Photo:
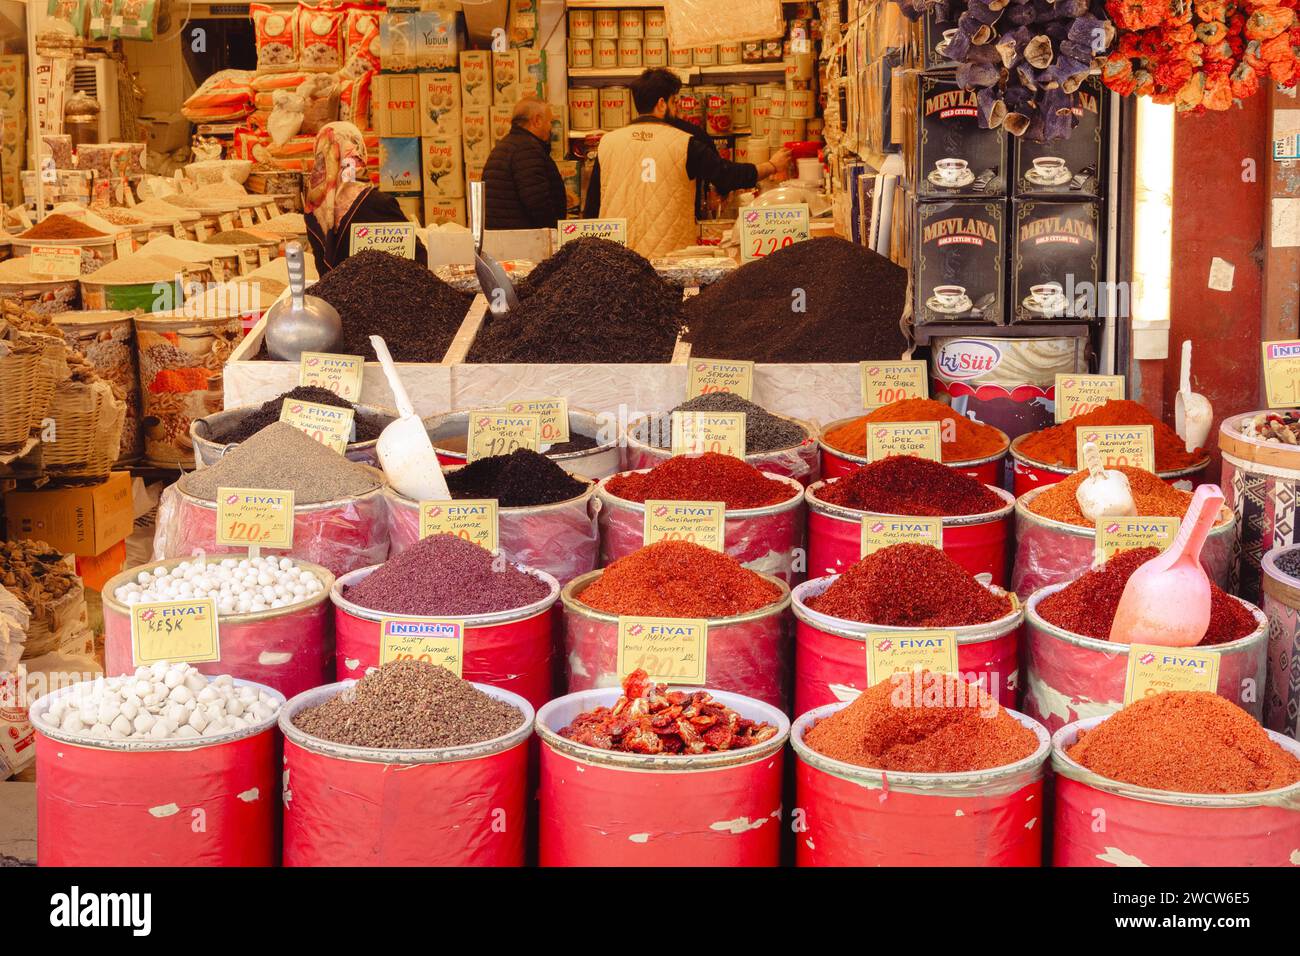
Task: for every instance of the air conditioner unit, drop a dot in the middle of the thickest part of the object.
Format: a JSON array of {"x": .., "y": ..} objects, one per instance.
[{"x": 98, "y": 78}]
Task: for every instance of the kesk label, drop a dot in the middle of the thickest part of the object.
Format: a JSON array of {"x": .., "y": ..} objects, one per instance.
[
  {"x": 341, "y": 374},
  {"x": 1132, "y": 446},
  {"x": 697, "y": 432},
  {"x": 671, "y": 650},
  {"x": 764, "y": 231},
  {"x": 1281, "y": 373},
  {"x": 614, "y": 230},
  {"x": 500, "y": 433},
  {"x": 699, "y": 522},
  {"x": 886, "y": 382},
  {"x": 330, "y": 426},
  {"x": 397, "y": 238},
  {"x": 903, "y": 438},
  {"x": 1079, "y": 394},
  {"x": 720, "y": 375},
  {"x": 893, "y": 652},
  {"x": 1153, "y": 670},
  {"x": 473, "y": 519},
  {"x": 175, "y": 631},
  {"x": 1125, "y": 534},
  {"x": 254, "y": 517},
  {"x": 881, "y": 531},
  {"x": 58, "y": 262},
  {"x": 553, "y": 417},
  {"x": 429, "y": 640}
]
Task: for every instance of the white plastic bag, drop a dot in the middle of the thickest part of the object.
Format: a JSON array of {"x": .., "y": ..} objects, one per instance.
[
  {"x": 704, "y": 22},
  {"x": 286, "y": 118}
]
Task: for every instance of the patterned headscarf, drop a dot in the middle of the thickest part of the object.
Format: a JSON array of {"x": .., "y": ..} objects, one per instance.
[{"x": 336, "y": 143}]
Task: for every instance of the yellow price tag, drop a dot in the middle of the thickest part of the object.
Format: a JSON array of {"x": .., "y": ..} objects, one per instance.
[
  {"x": 472, "y": 519},
  {"x": 123, "y": 245},
  {"x": 886, "y": 382},
  {"x": 670, "y": 650},
  {"x": 615, "y": 230},
  {"x": 765, "y": 230},
  {"x": 341, "y": 374},
  {"x": 553, "y": 417},
  {"x": 699, "y": 522},
  {"x": 1282, "y": 373},
  {"x": 893, "y": 652},
  {"x": 428, "y": 640},
  {"x": 395, "y": 238},
  {"x": 175, "y": 631},
  {"x": 882, "y": 531},
  {"x": 1130, "y": 446},
  {"x": 327, "y": 424},
  {"x": 254, "y": 517},
  {"x": 1077, "y": 395},
  {"x": 500, "y": 433},
  {"x": 720, "y": 375},
  {"x": 697, "y": 432},
  {"x": 1125, "y": 534},
  {"x": 1153, "y": 669},
  {"x": 920, "y": 439}
]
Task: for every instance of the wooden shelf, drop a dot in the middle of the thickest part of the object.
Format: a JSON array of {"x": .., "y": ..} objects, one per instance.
[
  {"x": 738, "y": 69},
  {"x": 625, "y": 72},
  {"x": 612, "y": 4}
]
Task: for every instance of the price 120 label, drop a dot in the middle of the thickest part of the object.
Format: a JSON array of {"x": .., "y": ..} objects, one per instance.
[
  {"x": 887, "y": 382},
  {"x": 341, "y": 374},
  {"x": 670, "y": 650},
  {"x": 1129, "y": 446},
  {"x": 695, "y": 433},
  {"x": 500, "y": 433},
  {"x": 1077, "y": 395},
  {"x": 471, "y": 519},
  {"x": 330, "y": 426},
  {"x": 175, "y": 631},
  {"x": 720, "y": 375},
  {"x": 1153, "y": 670},
  {"x": 428, "y": 640},
  {"x": 254, "y": 517}
]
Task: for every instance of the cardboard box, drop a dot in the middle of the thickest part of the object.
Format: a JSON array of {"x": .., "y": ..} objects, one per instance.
[
  {"x": 475, "y": 78},
  {"x": 165, "y": 132},
  {"x": 438, "y": 210},
  {"x": 473, "y": 171},
  {"x": 499, "y": 119},
  {"x": 397, "y": 42},
  {"x": 444, "y": 170},
  {"x": 532, "y": 73},
  {"x": 475, "y": 131},
  {"x": 396, "y": 103},
  {"x": 82, "y": 521},
  {"x": 399, "y": 164},
  {"x": 959, "y": 262},
  {"x": 505, "y": 77},
  {"x": 410, "y": 206},
  {"x": 439, "y": 104},
  {"x": 435, "y": 40},
  {"x": 1056, "y": 250}
]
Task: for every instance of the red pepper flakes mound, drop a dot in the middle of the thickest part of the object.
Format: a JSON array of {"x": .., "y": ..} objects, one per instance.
[
  {"x": 1056, "y": 445},
  {"x": 706, "y": 477},
  {"x": 678, "y": 579},
  {"x": 907, "y": 485},
  {"x": 1186, "y": 742},
  {"x": 923, "y": 722},
  {"x": 1087, "y": 605},
  {"x": 910, "y": 585},
  {"x": 651, "y": 719}
]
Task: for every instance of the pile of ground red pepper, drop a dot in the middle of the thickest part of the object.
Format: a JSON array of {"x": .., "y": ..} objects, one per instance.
[
  {"x": 1087, "y": 606},
  {"x": 706, "y": 477},
  {"x": 910, "y": 585},
  {"x": 906, "y": 485}
]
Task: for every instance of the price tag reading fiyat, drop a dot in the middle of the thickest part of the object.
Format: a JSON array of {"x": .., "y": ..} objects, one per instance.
[
  {"x": 882, "y": 531},
  {"x": 428, "y": 640},
  {"x": 695, "y": 433},
  {"x": 1282, "y": 373},
  {"x": 893, "y": 652},
  {"x": 886, "y": 382},
  {"x": 330, "y": 426},
  {"x": 1153, "y": 670},
  {"x": 254, "y": 517},
  {"x": 615, "y": 230},
  {"x": 175, "y": 631},
  {"x": 671, "y": 650},
  {"x": 720, "y": 375},
  {"x": 553, "y": 417},
  {"x": 57, "y": 262},
  {"x": 341, "y": 374},
  {"x": 471, "y": 519},
  {"x": 920, "y": 439},
  {"x": 1077, "y": 395},
  {"x": 699, "y": 522},
  {"x": 395, "y": 238},
  {"x": 500, "y": 433},
  {"x": 765, "y": 230},
  {"x": 1125, "y": 534},
  {"x": 1129, "y": 446}
]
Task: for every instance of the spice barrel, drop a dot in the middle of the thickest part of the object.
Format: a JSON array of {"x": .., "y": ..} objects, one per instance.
[
  {"x": 1053, "y": 552},
  {"x": 746, "y": 653},
  {"x": 1282, "y": 608},
  {"x": 1260, "y": 483},
  {"x": 602, "y": 808},
  {"x": 766, "y": 540},
  {"x": 132, "y": 296},
  {"x": 830, "y": 656},
  {"x": 1029, "y": 474},
  {"x": 836, "y": 462},
  {"x": 511, "y": 649},
  {"x": 1146, "y": 827},
  {"x": 95, "y": 252},
  {"x": 107, "y": 340},
  {"x": 857, "y": 816},
  {"x": 208, "y": 801},
  {"x": 208, "y": 452},
  {"x": 1072, "y": 677},
  {"x": 370, "y": 806},
  {"x": 800, "y": 462},
  {"x": 979, "y": 543},
  {"x": 449, "y": 433},
  {"x": 42, "y": 296},
  {"x": 560, "y": 539}
]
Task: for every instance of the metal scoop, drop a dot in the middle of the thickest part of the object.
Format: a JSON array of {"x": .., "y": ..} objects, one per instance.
[
  {"x": 492, "y": 279},
  {"x": 405, "y": 452},
  {"x": 300, "y": 323}
]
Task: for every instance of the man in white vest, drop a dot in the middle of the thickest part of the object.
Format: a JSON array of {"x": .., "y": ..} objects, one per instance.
[{"x": 647, "y": 171}]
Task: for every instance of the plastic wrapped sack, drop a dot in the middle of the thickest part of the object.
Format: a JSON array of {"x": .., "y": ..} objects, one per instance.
[
  {"x": 20, "y": 687},
  {"x": 224, "y": 96},
  {"x": 320, "y": 37},
  {"x": 361, "y": 40},
  {"x": 276, "y": 36},
  {"x": 286, "y": 118},
  {"x": 704, "y": 22},
  {"x": 134, "y": 19}
]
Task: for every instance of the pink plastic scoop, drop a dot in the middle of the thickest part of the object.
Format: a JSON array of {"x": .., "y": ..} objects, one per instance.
[{"x": 1167, "y": 600}]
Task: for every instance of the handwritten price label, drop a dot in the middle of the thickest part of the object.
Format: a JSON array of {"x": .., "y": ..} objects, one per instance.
[
  {"x": 920, "y": 439},
  {"x": 697, "y": 432},
  {"x": 500, "y": 433},
  {"x": 57, "y": 262},
  {"x": 615, "y": 230},
  {"x": 175, "y": 631},
  {"x": 671, "y": 650},
  {"x": 699, "y": 522},
  {"x": 254, "y": 517},
  {"x": 764, "y": 231},
  {"x": 1130, "y": 446},
  {"x": 720, "y": 375},
  {"x": 1077, "y": 395},
  {"x": 341, "y": 374},
  {"x": 330, "y": 426},
  {"x": 1125, "y": 534},
  {"x": 553, "y": 417},
  {"x": 1282, "y": 373},
  {"x": 471, "y": 519},
  {"x": 1153, "y": 670},
  {"x": 892, "y": 652},
  {"x": 395, "y": 238},
  {"x": 428, "y": 640},
  {"x": 880, "y": 531},
  {"x": 886, "y": 382}
]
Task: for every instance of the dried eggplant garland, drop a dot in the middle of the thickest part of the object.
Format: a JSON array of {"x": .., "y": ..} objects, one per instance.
[{"x": 1026, "y": 58}]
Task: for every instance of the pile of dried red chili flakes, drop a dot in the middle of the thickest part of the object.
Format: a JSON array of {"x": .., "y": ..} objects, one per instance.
[{"x": 651, "y": 719}]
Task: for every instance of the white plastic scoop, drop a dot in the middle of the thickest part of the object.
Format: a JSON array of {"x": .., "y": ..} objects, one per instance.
[
  {"x": 405, "y": 451},
  {"x": 1193, "y": 414}
]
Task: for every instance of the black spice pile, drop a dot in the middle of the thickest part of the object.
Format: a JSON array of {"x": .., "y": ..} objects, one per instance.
[
  {"x": 368, "y": 426},
  {"x": 381, "y": 294},
  {"x": 518, "y": 480},
  {"x": 854, "y": 302},
  {"x": 763, "y": 430},
  {"x": 576, "y": 442},
  {"x": 593, "y": 301},
  {"x": 1288, "y": 562},
  {"x": 410, "y": 705}
]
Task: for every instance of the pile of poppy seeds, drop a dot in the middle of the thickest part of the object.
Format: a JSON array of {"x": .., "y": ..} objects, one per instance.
[{"x": 368, "y": 426}]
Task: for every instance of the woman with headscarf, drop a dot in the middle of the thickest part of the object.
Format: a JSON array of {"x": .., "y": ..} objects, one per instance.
[{"x": 339, "y": 196}]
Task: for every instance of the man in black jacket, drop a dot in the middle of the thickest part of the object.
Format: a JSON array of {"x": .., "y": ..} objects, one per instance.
[{"x": 522, "y": 185}]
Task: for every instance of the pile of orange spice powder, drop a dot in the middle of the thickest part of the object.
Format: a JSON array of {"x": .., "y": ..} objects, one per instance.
[
  {"x": 962, "y": 440},
  {"x": 1186, "y": 742},
  {"x": 1057, "y": 445},
  {"x": 1151, "y": 493},
  {"x": 923, "y": 723}
]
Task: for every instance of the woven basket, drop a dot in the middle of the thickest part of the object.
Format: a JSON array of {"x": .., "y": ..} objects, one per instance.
[
  {"x": 27, "y": 378},
  {"x": 87, "y": 430}
]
